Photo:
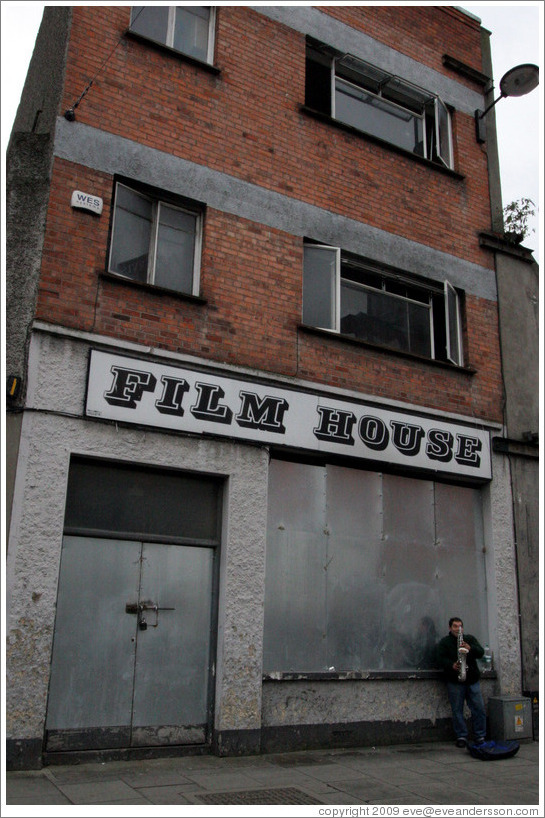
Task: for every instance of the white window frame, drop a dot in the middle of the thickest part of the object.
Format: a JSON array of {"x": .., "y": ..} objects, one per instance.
[
  {"x": 171, "y": 24},
  {"x": 447, "y": 161},
  {"x": 156, "y": 203},
  {"x": 438, "y": 107},
  {"x": 454, "y": 353},
  {"x": 452, "y": 297},
  {"x": 336, "y": 311},
  {"x": 405, "y": 299}
]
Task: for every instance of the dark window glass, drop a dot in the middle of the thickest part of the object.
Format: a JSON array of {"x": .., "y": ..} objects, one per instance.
[{"x": 106, "y": 498}]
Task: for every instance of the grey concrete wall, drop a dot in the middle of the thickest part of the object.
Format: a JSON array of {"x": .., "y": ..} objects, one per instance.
[
  {"x": 525, "y": 475},
  {"x": 518, "y": 305},
  {"x": 28, "y": 168},
  {"x": 50, "y": 434}
]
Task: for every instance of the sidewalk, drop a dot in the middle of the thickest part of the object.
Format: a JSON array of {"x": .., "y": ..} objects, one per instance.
[{"x": 416, "y": 774}]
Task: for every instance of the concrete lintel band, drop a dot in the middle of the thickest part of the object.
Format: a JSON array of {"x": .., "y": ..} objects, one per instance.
[
  {"x": 332, "y": 32},
  {"x": 114, "y": 154}
]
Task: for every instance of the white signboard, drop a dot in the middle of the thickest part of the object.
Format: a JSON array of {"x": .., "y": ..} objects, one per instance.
[
  {"x": 85, "y": 201},
  {"x": 163, "y": 396}
]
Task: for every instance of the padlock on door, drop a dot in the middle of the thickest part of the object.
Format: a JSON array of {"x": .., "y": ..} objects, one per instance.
[{"x": 142, "y": 624}]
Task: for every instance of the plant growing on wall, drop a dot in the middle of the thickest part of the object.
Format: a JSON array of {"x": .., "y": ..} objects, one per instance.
[{"x": 515, "y": 219}]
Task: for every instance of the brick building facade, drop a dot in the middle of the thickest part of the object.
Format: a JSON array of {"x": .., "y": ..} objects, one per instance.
[{"x": 255, "y": 340}]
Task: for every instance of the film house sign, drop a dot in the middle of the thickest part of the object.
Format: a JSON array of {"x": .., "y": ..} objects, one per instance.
[{"x": 185, "y": 400}]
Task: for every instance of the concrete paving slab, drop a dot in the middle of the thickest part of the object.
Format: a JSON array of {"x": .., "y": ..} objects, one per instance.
[
  {"x": 153, "y": 778},
  {"x": 33, "y": 786},
  {"x": 279, "y": 777},
  {"x": 44, "y": 800},
  {"x": 332, "y": 772},
  {"x": 222, "y": 780},
  {"x": 164, "y": 795},
  {"x": 96, "y": 792},
  {"x": 371, "y": 789},
  {"x": 510, "y": 794},
  {"x": 416, "y": 775},
  {"x": 339, "y": 798}
]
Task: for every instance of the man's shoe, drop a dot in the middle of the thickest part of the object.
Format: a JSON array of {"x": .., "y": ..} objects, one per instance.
[
  {"x": 461, "y": 742},
  {"x": 480, "y": 740}
]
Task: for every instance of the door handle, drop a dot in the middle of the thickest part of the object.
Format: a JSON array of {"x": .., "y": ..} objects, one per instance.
[{"x": 139, "y": 608}]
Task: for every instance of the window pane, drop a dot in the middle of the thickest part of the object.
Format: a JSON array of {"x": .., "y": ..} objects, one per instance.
[
  {"x": 191, "y": 31},
  {"x": 319, "y": 287},
  {"x": 443, "y": 132},
  {"x": 150, "y": 21},
  {"x": 131, "y": 234},
  {"x": 175, "y": 249},
  {"x": 108, "y": 497},
  {"x": 360, "y": 72},
  {"x": 381, "y": 318},
  {"x": 452, "y": 319},
  {"x": 378, "y": 117},
  {"x": 318, "y": 81}
]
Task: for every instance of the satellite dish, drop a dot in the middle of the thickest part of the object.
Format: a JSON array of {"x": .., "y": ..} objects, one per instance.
[{"x": 520, "y": 80}]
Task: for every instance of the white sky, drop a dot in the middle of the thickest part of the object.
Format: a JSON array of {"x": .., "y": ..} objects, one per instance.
[{"x": 517, "y": 37}]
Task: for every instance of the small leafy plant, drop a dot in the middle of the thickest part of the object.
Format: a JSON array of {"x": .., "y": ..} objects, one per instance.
[{"x": 515, "y": 219}]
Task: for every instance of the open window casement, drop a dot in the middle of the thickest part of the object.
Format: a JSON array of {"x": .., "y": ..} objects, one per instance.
[
  {"x": 321, "y": 286},
  {"x": 443, "y": 133},
  {"x": 452, "y": 320}
]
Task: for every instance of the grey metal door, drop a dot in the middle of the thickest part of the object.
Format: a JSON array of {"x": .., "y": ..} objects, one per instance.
[{"x": 132, "y": 647}]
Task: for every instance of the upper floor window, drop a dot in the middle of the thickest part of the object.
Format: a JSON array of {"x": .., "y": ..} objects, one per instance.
[
  {"x": 367, "y": 98},
  {"x": 188, "y": 29},
  {"x": 357, "y": 298},
  {"x": 155, "y": 242}
]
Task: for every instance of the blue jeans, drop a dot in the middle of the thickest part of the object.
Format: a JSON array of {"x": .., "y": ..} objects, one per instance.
[{"x": 457, "y": 694}]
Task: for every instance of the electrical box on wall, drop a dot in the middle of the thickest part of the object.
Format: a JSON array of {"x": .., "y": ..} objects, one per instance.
[{"x": 510, "y": 718}]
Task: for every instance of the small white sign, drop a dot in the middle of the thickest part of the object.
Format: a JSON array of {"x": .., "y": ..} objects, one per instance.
[{"x": 85, "y": 201}]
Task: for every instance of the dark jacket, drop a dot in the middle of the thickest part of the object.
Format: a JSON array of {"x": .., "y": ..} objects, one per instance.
[{"x": 447, "y": 654}]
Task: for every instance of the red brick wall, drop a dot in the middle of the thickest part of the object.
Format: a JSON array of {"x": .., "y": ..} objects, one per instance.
[
  {"x": 423, "y": 33},
  {"x": 251, "y": 280},
  {"x": 246, "y": 122}
]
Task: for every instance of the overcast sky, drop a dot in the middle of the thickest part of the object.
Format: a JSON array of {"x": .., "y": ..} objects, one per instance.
[{"x": 517, "y": 37}]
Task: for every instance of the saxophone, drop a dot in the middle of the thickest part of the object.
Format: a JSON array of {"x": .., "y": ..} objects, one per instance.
[{"x": 462, "y": 654}]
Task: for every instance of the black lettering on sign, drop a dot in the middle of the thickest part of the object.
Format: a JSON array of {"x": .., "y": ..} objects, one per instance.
[
  {"x": 439, "y": 445},
  {"x": 128, "y": 386},
  {"x": 173, "y": 395},
  {"x": 374, "y": 433},
  {"x": 468, "y": 447},
  {"x": 262, "y": 413},
  {"x": 406, "y": 437},
  {"x": 208, "y": 405},
  {"x": 335, "y": 425}
]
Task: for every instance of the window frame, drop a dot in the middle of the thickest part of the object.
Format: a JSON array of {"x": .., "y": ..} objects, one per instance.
[
  {"x": 426, "y": 105},
  {"x": 157, "y": 201},
  {"x": 453, "y": 342},
  {"x": 171, "y": 25},
  {"x": 455, "y": 356}
]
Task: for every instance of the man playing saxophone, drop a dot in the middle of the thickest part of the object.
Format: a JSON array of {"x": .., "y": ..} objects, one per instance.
[{"x": 457, "y": 655}]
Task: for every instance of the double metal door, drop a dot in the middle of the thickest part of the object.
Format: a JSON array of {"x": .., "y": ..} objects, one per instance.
[{"x": 131, "y": 658}]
